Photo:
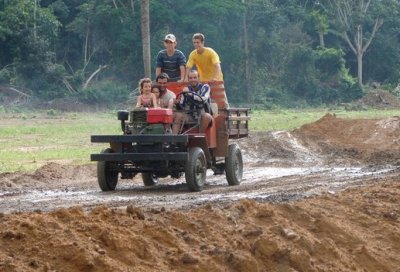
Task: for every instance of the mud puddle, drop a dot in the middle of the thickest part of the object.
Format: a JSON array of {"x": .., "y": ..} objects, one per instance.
[{"x": 261, "y": 183}]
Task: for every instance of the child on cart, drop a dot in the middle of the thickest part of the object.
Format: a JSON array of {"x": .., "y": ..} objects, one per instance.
[{"x": 146, "y": 99}]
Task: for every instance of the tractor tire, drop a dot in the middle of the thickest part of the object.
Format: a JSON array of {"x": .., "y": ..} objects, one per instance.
[
  {"x": 106, "y": 176},
  {"x": 149, "y": 179},
  {"x": 234, "y": 165},
  {"x": 196, "y": 169}
]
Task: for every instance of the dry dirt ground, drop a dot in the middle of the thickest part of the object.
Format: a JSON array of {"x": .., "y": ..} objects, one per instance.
[{"x": 325, "y": 197}]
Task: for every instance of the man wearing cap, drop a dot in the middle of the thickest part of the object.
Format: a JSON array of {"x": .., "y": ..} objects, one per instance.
[{"x": 171, "y": 60}]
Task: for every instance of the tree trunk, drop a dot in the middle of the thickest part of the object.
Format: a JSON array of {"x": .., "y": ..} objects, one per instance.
[
  {"x": 360, "y": 67},
  {"x": 34, "y": 20},
  {"x": 321, "y": 39},
  {"x": 358, "y": 43},
  {"x": 248, "y": 90},
  {"x": 101, "y": 67},
  {"x": 145, "y": 25}
]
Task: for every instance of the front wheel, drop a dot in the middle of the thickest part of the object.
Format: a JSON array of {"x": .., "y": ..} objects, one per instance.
[
  {"x": 107, "y": 176},
  {"x": 196, "y": 169},
  {"x": 149, "y": 179},
  {"x": 234, "y": 165}
]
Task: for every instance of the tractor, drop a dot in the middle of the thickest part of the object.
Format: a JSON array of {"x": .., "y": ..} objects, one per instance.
[{"x": 147, "y": 145}]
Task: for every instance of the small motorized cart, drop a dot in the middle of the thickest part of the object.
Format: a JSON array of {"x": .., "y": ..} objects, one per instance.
[{"x": 147, "y": 145}]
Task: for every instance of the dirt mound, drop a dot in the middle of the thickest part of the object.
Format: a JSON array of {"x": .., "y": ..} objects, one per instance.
[
  {"x": 50, "y": 175},
  {"x": 356, "y": 230},
  {"x": 374, "y": 141},
  {"x": 379, "y": 99}
]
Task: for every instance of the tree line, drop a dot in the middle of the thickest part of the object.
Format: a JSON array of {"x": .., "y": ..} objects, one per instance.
[{"x": 286, "y": 52}]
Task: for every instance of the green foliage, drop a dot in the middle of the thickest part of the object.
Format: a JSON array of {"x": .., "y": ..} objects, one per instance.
[
  {"x": 103, "y": 93},
  {"x": 319, "y": 21},
  {"x": 65, "y": 41},
  {"x": 30, "y": 33},
  {"x": 329, "y": 62},
  {"x": 5, "y": 76},
  {"x": 300, "y": 74},
  {"x": 319, "y": 76}
]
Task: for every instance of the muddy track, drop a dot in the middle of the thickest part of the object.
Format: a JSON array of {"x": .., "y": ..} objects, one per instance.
[
  {"x": 262, "y": 184},
  {"x": 324, "y": 197},
  {"x": 279, "y": 166}
]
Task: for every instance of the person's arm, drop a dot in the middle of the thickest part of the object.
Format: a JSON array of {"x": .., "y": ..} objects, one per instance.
[
  {"x": 217, "y": 64},
  {"x": 217, "y": 71},
  {"x": 204, "y": 93},
  {"x": 171, "y": 104},
  {"x": 158, "y": 71},
  {"x": 187, "y": 74},
  {"x": 183, "y": 72},
  {"x": 171, "y": 100},
  {"x": 181, "y": 103},
  {"x": 154, "y": 99},
  {"x": 159, "y": 63},
  {"x": 182, "y": 65},
  {"x": 138, "y": 103},
  {"x": 189, "y": 66}
]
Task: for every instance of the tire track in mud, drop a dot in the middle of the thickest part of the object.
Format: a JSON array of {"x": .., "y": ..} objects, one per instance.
[
  {"x": 262, "y": 183},
  {"x": 326, "y": 156}
]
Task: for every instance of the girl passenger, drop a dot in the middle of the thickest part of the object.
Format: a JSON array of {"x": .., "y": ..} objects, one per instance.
[{"x": 146, "y": 99}]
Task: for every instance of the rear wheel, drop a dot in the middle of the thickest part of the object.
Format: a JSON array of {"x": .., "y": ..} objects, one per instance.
[
  {"x": 149, "y": 179},
  {"x": 195, "y": 169},
  {"x": 234, "y": 165},
  {"x": 107, "y": 176}
]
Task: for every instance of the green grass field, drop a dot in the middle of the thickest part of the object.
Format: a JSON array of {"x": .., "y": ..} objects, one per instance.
[{"x": 30, "y": 140}]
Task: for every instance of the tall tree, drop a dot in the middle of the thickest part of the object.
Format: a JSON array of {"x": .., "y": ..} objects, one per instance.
[
  {"x": 246, "y": 56},
  {"x": 357, "y": 26},
  {"x": 321, "y": 25},
  {"x": 28, "y": 33},
  {"x": 145, "y": 26}
]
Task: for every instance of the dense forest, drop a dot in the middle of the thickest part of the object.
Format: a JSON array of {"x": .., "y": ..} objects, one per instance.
[{"x": 274, "y": 52}]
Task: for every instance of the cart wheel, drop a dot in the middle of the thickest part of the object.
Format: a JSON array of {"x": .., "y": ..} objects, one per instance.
[
  {"x": 107, "y": 177},
  {"x": 234, "y": 165},
  {"x": 149, "y": 179},
  {"x": 195, "y": 169}
]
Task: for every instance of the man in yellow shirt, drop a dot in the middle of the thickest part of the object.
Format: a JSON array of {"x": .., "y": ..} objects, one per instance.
[{"x": 206, "y": 61}]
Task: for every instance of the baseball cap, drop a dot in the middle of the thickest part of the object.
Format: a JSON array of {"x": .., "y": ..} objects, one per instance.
[{"x": 170, "y": 37}]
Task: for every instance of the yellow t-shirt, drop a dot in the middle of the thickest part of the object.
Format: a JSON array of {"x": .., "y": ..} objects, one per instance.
[{"x": 205, "y": 63}]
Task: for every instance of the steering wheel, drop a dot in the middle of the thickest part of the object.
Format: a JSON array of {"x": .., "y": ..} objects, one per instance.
[{"x": 199, "y": 104}]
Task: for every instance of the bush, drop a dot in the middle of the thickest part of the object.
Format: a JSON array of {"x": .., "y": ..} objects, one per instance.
[
  {"x": 329, "y": 62},
  {"x": 106, "y": 93}
]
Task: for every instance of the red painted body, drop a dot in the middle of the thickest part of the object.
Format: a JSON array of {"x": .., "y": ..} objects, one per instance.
[
  {"x": 159, "y": 116},
  {"x": 211, "y": 132}
]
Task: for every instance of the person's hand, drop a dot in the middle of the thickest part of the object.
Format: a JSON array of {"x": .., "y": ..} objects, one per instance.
[{"x": 185, "y": 90}]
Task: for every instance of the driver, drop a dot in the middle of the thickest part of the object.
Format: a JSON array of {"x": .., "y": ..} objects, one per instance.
[{"x": 194, "y": 98}]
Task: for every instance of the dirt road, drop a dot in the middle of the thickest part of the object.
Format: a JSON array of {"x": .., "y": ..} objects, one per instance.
[{"x": 323, "y": 197}]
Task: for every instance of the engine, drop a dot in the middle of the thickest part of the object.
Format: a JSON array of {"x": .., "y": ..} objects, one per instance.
[{"x": 146, "y": 121}]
